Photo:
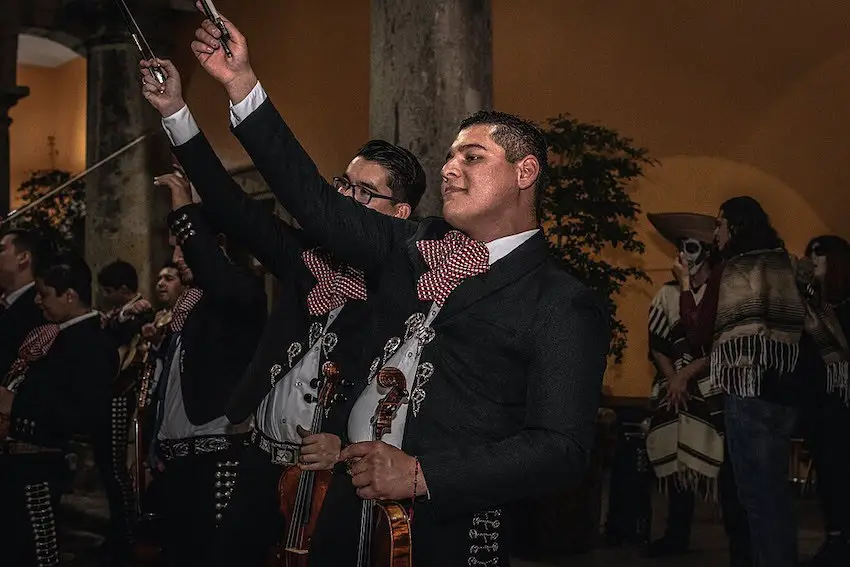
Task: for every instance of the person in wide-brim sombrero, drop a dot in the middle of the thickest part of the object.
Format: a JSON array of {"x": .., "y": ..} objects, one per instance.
[
  {"x": 684, "y": 444},
  {"x": 675, "y": 227}
]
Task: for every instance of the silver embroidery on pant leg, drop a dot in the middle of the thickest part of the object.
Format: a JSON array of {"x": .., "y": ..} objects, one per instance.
[
  {"x": 293, "y": 351},
  {"x": 43, "y": 524},
  {"x": 423, "y": 374},
  {"x": 484, "y": 538},
  {"x": 120, "y": 432},
  {"x": 224, "y": 489}
]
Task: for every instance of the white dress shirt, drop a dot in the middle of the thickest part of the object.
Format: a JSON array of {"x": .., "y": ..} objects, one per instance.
[
  {"x": 175, "y": 422},
  {"x": 406, "y": 359},
  {"x": 75, "y": 320},
  {"x": 284, "y": 407},
  {"x": 13, "y": 297}
]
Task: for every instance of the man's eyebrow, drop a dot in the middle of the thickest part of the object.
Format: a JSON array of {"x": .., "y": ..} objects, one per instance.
[{"x": 463, "y": 148}]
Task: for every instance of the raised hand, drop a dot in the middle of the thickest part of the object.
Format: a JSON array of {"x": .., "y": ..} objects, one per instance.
[
  {"x": 233, "y": 72},
  {"x": 166, "y": 98},
  {"x": 181, "y": 190}
]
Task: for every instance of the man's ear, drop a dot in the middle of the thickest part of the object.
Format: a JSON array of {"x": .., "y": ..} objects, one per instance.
[
  {"x": 25, "y": 258},
  {"x": 402, "y": 211},
  {"x": 528, "y": 170},
  {"x": 71, "y": 295}
]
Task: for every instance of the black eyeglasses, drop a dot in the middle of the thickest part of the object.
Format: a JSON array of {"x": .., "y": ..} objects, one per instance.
[{"x": 359, "y": 193}]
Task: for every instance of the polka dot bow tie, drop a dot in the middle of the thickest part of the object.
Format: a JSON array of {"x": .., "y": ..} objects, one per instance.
[
  {"x": 450, "y": 260},
  {"x": 335, "y": 282}
]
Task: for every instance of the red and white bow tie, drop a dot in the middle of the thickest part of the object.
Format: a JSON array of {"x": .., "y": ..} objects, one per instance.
[
  {"x": 36, "y": 345},
  {"x": 335, "y": 282},
  {"x": 184, "y": 305},
  {"x": 450, "y": 260}
]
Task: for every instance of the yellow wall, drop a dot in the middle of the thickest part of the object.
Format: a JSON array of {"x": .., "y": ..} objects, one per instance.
[
  {"x": 56, "y": 106},
  {"x": 312, "y": 58},
  {"x": 731, "y": 102}
]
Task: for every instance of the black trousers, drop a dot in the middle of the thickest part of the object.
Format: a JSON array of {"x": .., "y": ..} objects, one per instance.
[
  {"x": 195, "y": 496},
  {"x": 30, "y": 488},
  {"x": 252, "y": 523},
  {"x": 826, "y": 423},
  {"x": 111, "y": 456}
]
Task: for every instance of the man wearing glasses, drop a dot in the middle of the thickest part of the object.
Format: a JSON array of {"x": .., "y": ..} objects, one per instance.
[{"x": 323, "y": 315}]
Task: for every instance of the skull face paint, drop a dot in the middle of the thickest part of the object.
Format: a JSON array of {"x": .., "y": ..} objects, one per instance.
[{"x": 694, "y": 252}]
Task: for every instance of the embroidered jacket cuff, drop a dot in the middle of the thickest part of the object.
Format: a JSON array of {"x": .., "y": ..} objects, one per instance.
[
  {"x": 180, "y": 127},
  {"x": 180, "y": 223},
  {"x": 241, "y": 110}
]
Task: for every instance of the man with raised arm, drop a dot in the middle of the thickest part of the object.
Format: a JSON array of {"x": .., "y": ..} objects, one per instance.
[
  {"x": 322, "y": 315},
  {"x": 502, "y": 352}
]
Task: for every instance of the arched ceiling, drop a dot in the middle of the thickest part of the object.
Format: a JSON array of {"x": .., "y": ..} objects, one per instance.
[{"x": 42, "y": 52}]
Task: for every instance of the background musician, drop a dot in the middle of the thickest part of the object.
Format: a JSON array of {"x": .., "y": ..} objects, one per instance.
[
  {"x": 59, "y": 385},
  {"x": 214, "y": 329},
  {"x": 18, "y": 312},
  {"x": 312, "y": 322},
  {"x": 125, "y": 313}
]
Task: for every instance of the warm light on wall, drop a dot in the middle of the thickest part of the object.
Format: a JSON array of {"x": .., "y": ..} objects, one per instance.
[{"x": 55, "y": 109}]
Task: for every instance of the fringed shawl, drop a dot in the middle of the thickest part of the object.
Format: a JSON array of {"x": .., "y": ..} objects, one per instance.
[{"x": 761, "y": 317}]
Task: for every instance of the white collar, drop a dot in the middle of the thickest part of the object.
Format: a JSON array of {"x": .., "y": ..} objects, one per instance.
[
  {"x": 503, "y": 246},
  {"x": 12, "y": 297},
  {"x": 75, "y": 320}
]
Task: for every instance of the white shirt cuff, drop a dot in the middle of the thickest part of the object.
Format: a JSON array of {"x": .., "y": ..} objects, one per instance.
[
  {"x": 241, "y": 110},
  {"x": 180, "y": 127}
]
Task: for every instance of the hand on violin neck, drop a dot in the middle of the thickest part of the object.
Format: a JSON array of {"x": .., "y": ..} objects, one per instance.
[
  {"x": 383, "y": 472},
  {"x": 319, "y": 451},
  {"x": 166, "y": 98}
]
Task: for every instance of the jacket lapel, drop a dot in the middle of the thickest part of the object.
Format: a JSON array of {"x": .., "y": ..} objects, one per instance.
[{"x": 505, "y": 271}]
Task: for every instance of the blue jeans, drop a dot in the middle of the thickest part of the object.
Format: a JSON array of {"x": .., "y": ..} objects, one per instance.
[{"x": 759, "y": 440}]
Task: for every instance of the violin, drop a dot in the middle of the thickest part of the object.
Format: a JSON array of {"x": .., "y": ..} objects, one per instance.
[
  {"x": 385, "y": 534},
  {"x": 302, "y": 493},
  {"x": 145, "y": 365}
]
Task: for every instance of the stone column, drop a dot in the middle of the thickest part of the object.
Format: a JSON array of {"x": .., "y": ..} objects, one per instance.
[
  {"x": 125, "y": 215},
  {"x": 10, "y": 92},
  {"x": 8, "y": 98},
  {"x": 432, "y": 65}
]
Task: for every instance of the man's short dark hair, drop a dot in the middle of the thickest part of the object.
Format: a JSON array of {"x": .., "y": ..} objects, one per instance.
[
  {"x": 67, "y": 271},
  {"x": 119, "y": 273},
  {"x": 405, "y": 176},
  {"x": 519, "y": 138},
  {"x": 28, "y": 241},
  {"x": 170, "y": 266}
]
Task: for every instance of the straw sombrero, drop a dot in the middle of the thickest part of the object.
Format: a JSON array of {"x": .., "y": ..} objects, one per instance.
[{"x": 675, "y": 226}]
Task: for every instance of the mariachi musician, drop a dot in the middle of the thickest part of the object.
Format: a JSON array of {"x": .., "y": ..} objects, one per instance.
[
  {"x": 320, "y": 316},
  {"x": 58, "y": 386},
  {"x": 169, "y": 288},
  {"x": 214, "y": 329},
  {"x": 502, "y": 351},
  {"x": 127, "y": 312}
]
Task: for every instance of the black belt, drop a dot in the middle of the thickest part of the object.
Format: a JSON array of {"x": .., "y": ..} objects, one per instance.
[{"x": 281, "y": 453}]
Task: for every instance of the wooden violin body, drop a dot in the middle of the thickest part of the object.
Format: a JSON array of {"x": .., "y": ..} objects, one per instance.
[
  {"x": 391, "y": 543},
  {"x": 294, "y": 553}
]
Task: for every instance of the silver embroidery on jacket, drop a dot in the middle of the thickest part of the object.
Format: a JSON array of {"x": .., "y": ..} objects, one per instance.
[
  {"x": 484, "y": 539},
  {"x": 423, "y": 374},
  {"x": 293, "y": 351}
]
